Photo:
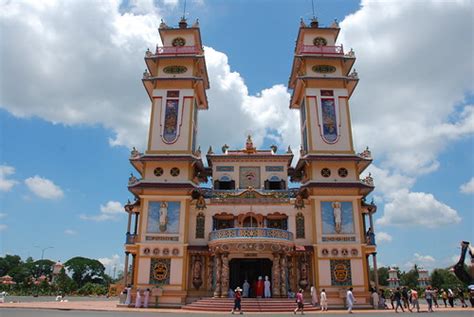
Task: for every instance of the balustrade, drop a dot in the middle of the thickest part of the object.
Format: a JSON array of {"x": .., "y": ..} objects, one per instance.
[{"x": 251, "y": 233}]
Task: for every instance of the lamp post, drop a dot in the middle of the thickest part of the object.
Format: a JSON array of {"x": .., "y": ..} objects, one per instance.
[{"x": 42, "y": 250}]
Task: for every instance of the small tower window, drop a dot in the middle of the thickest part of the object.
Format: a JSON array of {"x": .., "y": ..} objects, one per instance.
[
  {"x": 174, "y": 171},
  {"x": 325, "y": 172},
  {"x": 320, "y": 41},
  {"x": 342, "y": 172},
  {"x": 179, "y": 41},
  {"x": 200, "y": 222},
  {"x": 158, "y": 171},
  {"x": 300, "y": 226}
]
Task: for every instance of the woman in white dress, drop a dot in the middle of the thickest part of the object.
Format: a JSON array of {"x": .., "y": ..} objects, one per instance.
[
  {"x": 267, "y": 284},
  {"x": 128, "y": 299},
  {"x": 324, "y": 300},
  {"x": 146, "y": 299},
  {"x": 138, "y": 299},
  {"x": 314, "y": 296}
]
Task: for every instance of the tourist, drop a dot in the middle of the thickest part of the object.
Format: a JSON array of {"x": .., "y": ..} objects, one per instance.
[
  {"x": 444, "y": 296},
  {"x": 299, "y": 302},
  {"x": 397, "y": 297},
  {"x": 375, "y": 299},
  {"x": 429, "y": 298},
  {"x": 267, "y": 284},
  {"x": 324, "y": 300},
  {"x": 138, "y": 299},
  {"x": 246, "y": 287},
  {"x": 230, "y": 293},
  {"x": 461, "y": 297},
  {"x": 414, "y": 300},
  {"x": 405, "y": 298},
  {"x": 382, "y": 300},
  {"x": 392, "y": 298},
  {"x": 237, "y": 300},
  {"x": 146, "y": 300},
  {"x": 291, "y": 294},
  {"x": 128, "y": 291},
  {"x": 350, "y": 300},
  {"x": 450, "y": 298},
  {"x": 314, "y": 296},
  {"x": 435, "y": 297}
]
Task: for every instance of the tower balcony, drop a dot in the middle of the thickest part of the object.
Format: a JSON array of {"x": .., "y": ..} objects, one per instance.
[
  {"x": 177, "y": 50},
  {"x": 251, "y": 234},
  {"x": 320, "y": 50},
  {"x": 131, "y": 238}
]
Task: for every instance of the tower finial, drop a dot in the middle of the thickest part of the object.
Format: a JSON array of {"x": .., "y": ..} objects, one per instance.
[{"x": 312, "y": 6}]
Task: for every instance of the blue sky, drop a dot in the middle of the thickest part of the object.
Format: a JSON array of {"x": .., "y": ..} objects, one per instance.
[{"x": 67, "y": 122}]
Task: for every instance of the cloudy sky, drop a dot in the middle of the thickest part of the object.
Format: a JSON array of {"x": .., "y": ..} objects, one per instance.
[{"x": 72, "y": 104}]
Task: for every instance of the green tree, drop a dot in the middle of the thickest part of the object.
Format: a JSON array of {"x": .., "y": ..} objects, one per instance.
[
  {"x": 85, "y": 270},
  {"x": 383, "y": 275},
  {"x": 443, "y": 278},
  {"x": 410, "y": 278},
  {"x": 8, "y": 262},
  {"x": 42, "y": 267},
  {"x": 64, "y": 283}
]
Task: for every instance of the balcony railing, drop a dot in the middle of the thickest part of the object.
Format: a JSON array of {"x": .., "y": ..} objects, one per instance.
[
  {"x": 323, "y": 50},
  {"x": 130, "y": 238},
  {"x": 251, "y": 233},
  {"x": 175, "y": 50}
]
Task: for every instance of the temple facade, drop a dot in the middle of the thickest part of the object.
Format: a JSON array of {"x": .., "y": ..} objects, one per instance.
[{"x": 201, "y": 225}]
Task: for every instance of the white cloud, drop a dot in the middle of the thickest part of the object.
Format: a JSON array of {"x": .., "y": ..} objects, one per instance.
[
  {"x": 383, "y": 237},
  {"x": 6, "y": 184},
  {"x": 110, "y": 263},
  {"x": 417, "y": 209},
  {"x": 70, "y": 232},
  {"x": 467, "y": 188},
  {"x": 43, "y": 187},
  {"x": 3, "y": 227},
  {"x": 422, "y": 261},
  {"x": 110, "y": 211}
]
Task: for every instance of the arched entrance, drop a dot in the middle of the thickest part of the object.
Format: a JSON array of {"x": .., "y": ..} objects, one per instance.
[{"x": 250, "y": 270}]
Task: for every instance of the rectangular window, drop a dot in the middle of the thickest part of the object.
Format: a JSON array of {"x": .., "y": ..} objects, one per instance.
[
  {"x": 327, "y": 93},
  {"x": 172, "y": 94}
]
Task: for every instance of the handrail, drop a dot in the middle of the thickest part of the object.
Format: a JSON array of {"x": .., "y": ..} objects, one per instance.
[
  {"x": 251, "y": 233},
  {"x": 324, "y": 50},
  {"x": 174, "y": 50}
]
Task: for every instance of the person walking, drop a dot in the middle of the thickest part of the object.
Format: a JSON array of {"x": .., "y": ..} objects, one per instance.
[
  {"x": 429, "y": 298},
  {"x": 383, "y": 302},
  {"x": 314, "y": 296},
  {"x": 405, "y": 298},
  {"x": 299, "y": 302},
  {"x": 435, "y": 297},
  {"x": 451, "y": 297},
  {"x": 444, "y": 296},
  {"x": 350, "y": 300},
  {"x": 392, "y": 298},
  {"x": 397, "y": 296},
  {"x": 128, "y": 299},
  {"x": 324, "y": 300},
  {"x": 461, "y": 297},
  {"x": 146, "y": 299},
  {"x": 138, "y": 299},
  {"x": 375, "y": 299},
  {"x": 414, "y": 300},
  {"x": 237, "y": 300}
]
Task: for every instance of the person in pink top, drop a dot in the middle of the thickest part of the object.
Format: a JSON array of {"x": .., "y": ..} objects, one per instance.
[
  {"x": 414, "y": 300},
  {"x": 299, "y": 302}
]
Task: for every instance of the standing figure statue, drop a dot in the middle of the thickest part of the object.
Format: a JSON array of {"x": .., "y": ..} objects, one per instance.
[
  {"x": 163, "y": 216},
  {"x": 337, "y": 216},
  {"x": 246, "y": 288},
  {"x": 259, "y": 290},
  {"x": 267, "y": 284},
  {"x": 459, "y": 270}
]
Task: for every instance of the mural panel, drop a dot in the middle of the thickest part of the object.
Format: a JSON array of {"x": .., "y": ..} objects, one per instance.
[
  {"x": 250, "y": 177},
  {"x": 337, "y": 217},
  {"x": 328, "y": 109},
  {"x": 160, "y": 271},
  {"x": 341, "y": 273},
  {"x": 163, "y": 216},
  {"x": 170, "y": 128}
]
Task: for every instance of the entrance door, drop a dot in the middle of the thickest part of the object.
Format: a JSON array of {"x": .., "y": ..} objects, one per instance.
[{"x": 250, "y": 270}]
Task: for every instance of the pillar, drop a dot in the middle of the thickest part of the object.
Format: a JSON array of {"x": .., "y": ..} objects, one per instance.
[
  {"x": 125, "y": 270},
  {"x": 217, "y": 290},
  {"x": 134, "y": 262},
  {"x": 136, "y": 224},
  {"x": 129, "y": 222},
  {"x": 210, "y": 268},
  {"x": 284, "y": 277},
  {"x": 225, "y": 275},
  {"x": 376, "y": 275},
  {"x": 276, "y": 274}
]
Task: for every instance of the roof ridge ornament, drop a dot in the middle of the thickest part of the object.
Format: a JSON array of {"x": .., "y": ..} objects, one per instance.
[{"x": 249, "y": 148}]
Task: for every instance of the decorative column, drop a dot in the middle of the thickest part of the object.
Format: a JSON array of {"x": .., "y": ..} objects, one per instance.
[
  {"x": 284, "y": 278},
  {"x": 134, "y": 261},
  {"x": 376, "y": 275},
  {"x": 276, "y": 275},
  {"x": 129, "y": 222},
  {"x": 292, "y": 275},
  {"x": 125, "y": 270},
  {"x": 225, "y": 275},
  {"x": 210, "y": 268},
  {"x": 136, "y": 224},
  {"x": 217, "y": 290}
]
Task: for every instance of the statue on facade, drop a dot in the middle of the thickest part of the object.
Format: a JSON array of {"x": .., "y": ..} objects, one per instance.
[
  {"x": 459, "y": 268},
  {"x": 299, "y": 202},
  {"x": 267, "y": 284},
  {"x": 337, "y": 216},
  {"x": 259, "y": 288},
  {"x": 201, "y": 203},
  {"x": 132, "y": 180},
  {"x": 303, "y": 282},
  {"x": 246, "y": 287},
  {"x": 163, "y": 216},
  {"x": 197, "y": 272}
]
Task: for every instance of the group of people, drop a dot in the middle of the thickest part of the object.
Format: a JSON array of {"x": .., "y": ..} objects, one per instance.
[
  {"x": 323, "y": 300},
  {"x": 260, "y": 288},
  {"x": 140, "y": 300}
]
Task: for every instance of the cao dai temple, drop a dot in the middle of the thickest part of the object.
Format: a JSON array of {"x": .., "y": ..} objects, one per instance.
[{"x": 199, "y": 227}]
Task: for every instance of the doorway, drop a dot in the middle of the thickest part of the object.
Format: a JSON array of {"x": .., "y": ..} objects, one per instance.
[{"x": 250, "y": 270}]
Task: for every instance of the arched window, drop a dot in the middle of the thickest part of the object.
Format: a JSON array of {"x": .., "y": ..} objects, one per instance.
[
  {"x": 299, "y": 226},
  {"x": 250, "y": 222},
  {"x": 200, "y": 224},
  {"x": 224, "y": 183},
  {"x": 274, "y": 183}
]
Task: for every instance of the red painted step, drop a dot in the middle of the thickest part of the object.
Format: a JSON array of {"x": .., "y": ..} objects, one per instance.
[{"x": 248, "y": 305}]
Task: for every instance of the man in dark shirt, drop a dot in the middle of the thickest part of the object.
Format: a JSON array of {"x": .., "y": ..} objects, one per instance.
[
  {"x": 397, "y": 295},
  {"x": 406, "y": 302}
]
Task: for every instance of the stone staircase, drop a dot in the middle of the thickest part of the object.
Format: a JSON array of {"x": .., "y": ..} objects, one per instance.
[{"x": 248, "y": 305}]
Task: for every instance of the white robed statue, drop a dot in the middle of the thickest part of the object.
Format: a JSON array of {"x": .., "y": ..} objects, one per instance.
[
  {"x": 337, "y": 216},
  {"x": 267, "y": 284},
  {"x": 246, "y": 287},
  {"x": 163, "y": 216}
]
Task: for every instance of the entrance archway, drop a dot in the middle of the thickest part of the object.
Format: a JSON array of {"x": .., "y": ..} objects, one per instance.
[{"x": 250, "y": 270}]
